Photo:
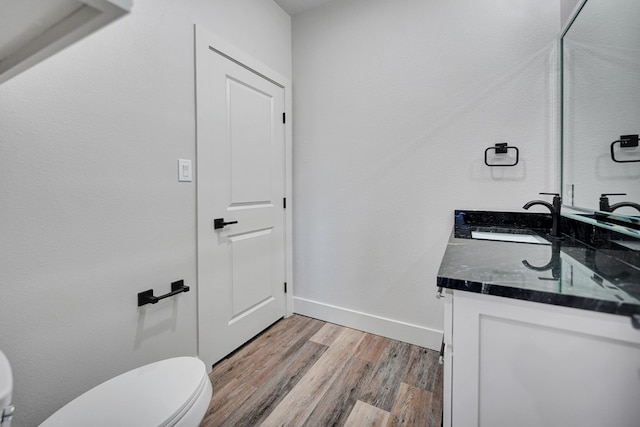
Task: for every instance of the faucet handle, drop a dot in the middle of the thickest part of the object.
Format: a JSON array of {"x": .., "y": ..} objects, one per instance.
[
  {"x": 557, "y": 200},
  {"x": 612, "y": 194}
]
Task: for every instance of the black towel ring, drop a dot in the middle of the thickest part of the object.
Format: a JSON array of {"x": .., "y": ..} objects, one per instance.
[
  {"x": 625, "y": 141},
  {"x": 501, "y": 148}
]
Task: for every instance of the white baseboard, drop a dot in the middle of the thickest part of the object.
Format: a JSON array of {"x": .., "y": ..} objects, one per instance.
[{"x": 394, "y": 329}]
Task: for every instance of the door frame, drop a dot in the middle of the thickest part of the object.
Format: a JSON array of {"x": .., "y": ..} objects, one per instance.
[{"x": 205, "y": 40}]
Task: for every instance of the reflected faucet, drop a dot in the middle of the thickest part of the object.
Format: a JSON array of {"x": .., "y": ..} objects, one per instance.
[
  {"x": 605, "y": 207},
  {"x": 554, "y": 264},
  {"x": 555, "y": 212}
]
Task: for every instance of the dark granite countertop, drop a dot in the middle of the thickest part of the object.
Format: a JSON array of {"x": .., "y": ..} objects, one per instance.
[{"x": 588, "y": 268}]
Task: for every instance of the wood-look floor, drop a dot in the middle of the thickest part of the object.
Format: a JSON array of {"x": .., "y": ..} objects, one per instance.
[{"x": 305, "y": 372}]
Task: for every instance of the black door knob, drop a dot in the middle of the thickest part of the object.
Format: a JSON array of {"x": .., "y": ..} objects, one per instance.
[{"x": 219, "y": 223}]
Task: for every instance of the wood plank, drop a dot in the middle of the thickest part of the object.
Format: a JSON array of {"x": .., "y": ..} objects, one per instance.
[
  {"x": 275, "y": 388},
  {"x": 225, "y": 370},
  {"x": 387, "y": 375},
  {"x": 266, "y": 351},
  {"x": 225, "y": 401},
  {"x": 365, "y": 415},
  {"x": 409, "y": 407},
  {"x": 296, "y": 407},
  {"x": 285, "y": 377},
  {"x": 285, "y": 354},
  {"x": 435, "y": 409},
  {"x": 327, "y": 334},
  {"x": 372, "y": 347},
  {"x": 335, "y": 406},
  {"x": 424, "y": 368}
]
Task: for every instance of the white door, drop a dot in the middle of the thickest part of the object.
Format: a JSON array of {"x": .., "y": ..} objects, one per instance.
[{"x": 241, "y": 181}]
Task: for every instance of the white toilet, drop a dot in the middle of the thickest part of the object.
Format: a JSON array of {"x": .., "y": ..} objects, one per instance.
[
  {"x": 171, "y": 392},
  {"x": 6, "y": 389}
]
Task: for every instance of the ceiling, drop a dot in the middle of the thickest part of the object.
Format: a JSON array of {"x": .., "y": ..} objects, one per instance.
[{"x": 293, "y": 7}]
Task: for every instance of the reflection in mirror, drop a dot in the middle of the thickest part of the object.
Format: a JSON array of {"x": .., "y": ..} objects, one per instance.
[
  {"x": 583, "y": 273},
  {"x": 601, "y": 107}
]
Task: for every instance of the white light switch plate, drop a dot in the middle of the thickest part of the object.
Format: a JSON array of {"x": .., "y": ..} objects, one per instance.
[{"x": 184, "y": 170}]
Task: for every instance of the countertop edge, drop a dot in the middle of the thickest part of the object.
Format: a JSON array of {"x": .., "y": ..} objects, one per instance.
[{"x": 572, "y": 301}]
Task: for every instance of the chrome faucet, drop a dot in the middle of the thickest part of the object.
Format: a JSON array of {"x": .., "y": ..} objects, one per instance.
[
  {"x": 555, "y": 212},
  {"x": 605, "y": 207}
]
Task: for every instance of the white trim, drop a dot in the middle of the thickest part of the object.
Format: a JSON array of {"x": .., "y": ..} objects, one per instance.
[
  {"x": 390, "y": 328},
  {"x": 240, "y": 56}
]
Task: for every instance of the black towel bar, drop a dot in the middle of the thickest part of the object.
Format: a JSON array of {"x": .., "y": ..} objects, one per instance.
[{"x": 147, "y": 296}]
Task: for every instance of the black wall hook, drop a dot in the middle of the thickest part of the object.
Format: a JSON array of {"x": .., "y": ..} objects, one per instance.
[
  {"x": 147, "y": 296},
  {"x": 501, "y": 148}
]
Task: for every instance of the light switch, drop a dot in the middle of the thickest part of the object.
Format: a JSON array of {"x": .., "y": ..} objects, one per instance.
[{"x": 184, "y": 170}]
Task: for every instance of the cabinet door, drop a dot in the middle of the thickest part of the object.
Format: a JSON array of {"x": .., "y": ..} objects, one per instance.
[{"x": 529, "y": 364}]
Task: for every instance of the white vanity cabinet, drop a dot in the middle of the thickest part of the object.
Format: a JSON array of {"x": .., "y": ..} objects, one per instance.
[{"x": 510, "y": 362}]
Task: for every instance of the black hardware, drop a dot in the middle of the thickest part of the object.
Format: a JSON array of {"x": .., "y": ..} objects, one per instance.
[
  {"x": 606, "y": 207},
  {"x": 555, "y": 212},
  {"x": 219, "y": 223},
  {"x": 147, "y": 297},
  {"x": 629, "y": 141},
  {"x": 625, "y": 141},
  {"x": 284, "y": 117},
  {"x": 285, "y": 287},
  {"x": 284, "y": 203},
  {"x": 501, "y": 148},
  {"x": 604, "y": 200}
]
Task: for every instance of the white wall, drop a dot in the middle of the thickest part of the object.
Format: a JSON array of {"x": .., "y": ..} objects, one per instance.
[
  {"x": 394, "y": 105},
  {"x": 91, "y": 212}
]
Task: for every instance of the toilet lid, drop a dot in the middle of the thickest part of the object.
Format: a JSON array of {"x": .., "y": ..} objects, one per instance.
[
  {"x": 158, "y": 394},
  {"x": 6, "y": 382}
]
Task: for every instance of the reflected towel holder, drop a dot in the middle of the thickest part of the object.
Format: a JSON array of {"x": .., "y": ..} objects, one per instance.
[
  {"x": 626, "y": 141},
  {"x": 501, "y": 148}
]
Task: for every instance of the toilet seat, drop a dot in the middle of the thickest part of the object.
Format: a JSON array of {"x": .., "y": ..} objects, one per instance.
[
  {"x": 170, "y": 392},
  {"x": 6, "y": 391}
]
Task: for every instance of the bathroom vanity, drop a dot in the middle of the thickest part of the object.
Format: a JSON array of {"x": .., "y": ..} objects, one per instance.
[
  {"x": 546, "y": 332},
  {"x": 540, "y": 331}
]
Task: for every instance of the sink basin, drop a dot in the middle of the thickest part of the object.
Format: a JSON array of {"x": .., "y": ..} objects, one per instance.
[{"x": 509, "y": 237}]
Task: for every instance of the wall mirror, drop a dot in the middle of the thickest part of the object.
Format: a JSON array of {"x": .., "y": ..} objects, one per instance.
[{"x": 600, "y": 81}]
